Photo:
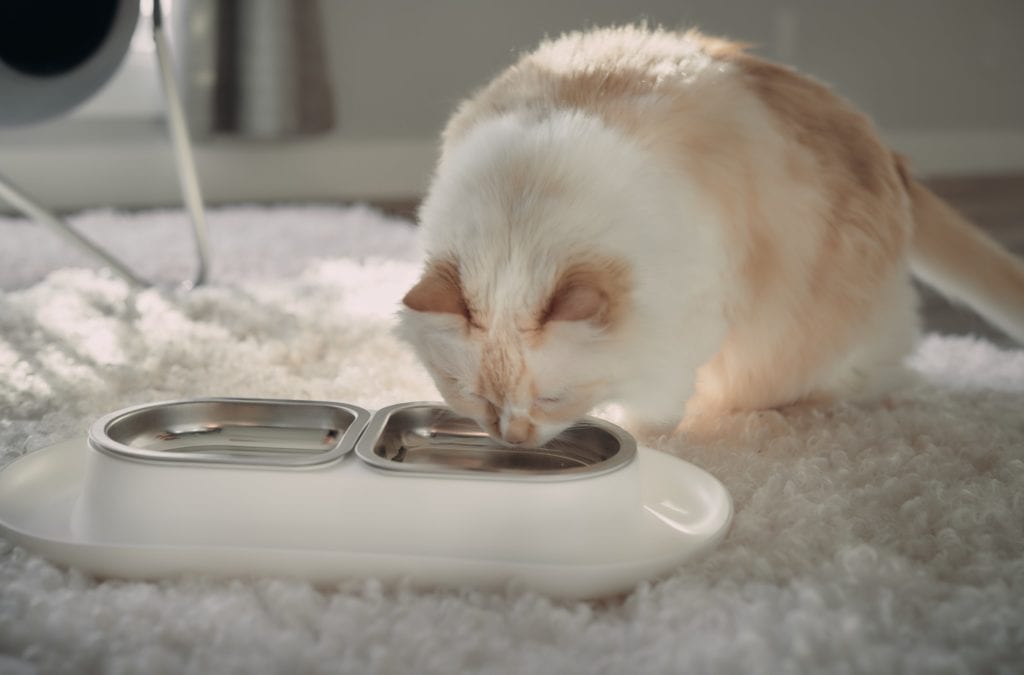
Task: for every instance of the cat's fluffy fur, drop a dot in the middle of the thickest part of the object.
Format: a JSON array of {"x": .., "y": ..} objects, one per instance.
[{"x": 665, "y": 221}]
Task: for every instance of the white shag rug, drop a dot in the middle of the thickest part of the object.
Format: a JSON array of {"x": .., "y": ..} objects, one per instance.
[{"x": 866, "y": 539}]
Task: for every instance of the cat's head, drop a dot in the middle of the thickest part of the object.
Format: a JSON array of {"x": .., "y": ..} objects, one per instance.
[
  {"x": 524, "y": 358},
  {"x": 528, "y": 282}
]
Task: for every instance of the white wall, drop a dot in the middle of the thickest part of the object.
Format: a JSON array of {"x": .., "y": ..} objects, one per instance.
[{"x": 943, "y": 79}]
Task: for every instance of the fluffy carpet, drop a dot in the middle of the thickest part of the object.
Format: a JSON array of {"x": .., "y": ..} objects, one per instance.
[{"x": 874, "y": 539}]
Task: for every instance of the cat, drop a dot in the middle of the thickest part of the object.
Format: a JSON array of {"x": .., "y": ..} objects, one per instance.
[{"x": 664, "y": 221}]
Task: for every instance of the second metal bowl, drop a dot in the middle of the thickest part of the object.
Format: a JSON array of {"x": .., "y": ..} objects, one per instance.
[
  {"x": 419, "y": 438},
  {"x": 231, "y": 431}
]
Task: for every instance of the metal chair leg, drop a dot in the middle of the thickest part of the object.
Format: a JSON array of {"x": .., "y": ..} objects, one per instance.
[
  {"x": 31, "y": 208},
  {"x": 184, "y": 161}
]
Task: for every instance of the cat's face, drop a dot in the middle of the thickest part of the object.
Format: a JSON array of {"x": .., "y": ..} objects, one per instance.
[
  {"x": 527, "y": 289},
  {"x": 524, "y": 372}
]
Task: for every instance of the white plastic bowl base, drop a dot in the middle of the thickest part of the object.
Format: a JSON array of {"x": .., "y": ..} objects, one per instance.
[{"x": 576, "y": 539}]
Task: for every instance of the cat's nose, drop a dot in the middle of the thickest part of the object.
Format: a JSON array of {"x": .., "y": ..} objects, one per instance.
[{"x": 516, "y": 430}]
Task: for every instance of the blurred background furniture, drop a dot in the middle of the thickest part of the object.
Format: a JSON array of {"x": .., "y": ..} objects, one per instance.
[{"x": 55, "y": 55}]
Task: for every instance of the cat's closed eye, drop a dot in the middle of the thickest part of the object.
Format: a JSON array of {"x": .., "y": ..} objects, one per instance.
[{"x": 551, "y": 400}]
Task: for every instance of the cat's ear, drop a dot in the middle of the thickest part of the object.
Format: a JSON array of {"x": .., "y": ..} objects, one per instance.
[{"x": 439, "y": 290}]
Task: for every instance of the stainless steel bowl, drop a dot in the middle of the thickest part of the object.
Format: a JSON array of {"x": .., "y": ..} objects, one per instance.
[
  {"x": 232, "y": 431},
  {"x": 420, "y": 438}
]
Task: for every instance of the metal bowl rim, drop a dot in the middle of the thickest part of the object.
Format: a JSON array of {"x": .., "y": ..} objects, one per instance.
[{"x": 98, "y": 439}]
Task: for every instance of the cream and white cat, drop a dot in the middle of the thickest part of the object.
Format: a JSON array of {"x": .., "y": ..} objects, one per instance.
[{"x": 664, "y": 221}]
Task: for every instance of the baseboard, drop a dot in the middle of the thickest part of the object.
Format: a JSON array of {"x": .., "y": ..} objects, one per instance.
[
  {"x": 961, "y": 152},
  {"x": 133, "y": 167}
]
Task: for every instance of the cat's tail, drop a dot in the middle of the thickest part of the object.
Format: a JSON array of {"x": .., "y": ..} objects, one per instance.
[{"x": 963, "y": 263}]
